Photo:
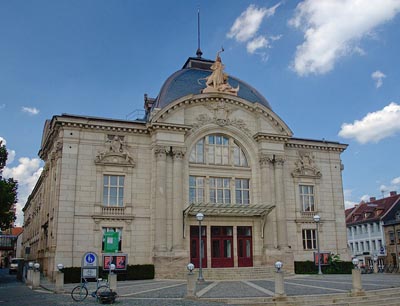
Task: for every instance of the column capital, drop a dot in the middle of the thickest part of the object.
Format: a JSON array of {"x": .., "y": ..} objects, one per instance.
[
  {"x": 160, "y": 151},
  {"x": 178, "y": 152},
  {"x": 265, "y": 159}
]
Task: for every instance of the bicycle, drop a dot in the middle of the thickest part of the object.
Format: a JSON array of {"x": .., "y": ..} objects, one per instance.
[{"x": 80, "y": 292}]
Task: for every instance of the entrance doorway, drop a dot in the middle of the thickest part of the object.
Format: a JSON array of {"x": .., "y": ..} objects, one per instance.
[
  {"x": 221, "y": 246},
  {"x": 245, "y": 248},
  {"x": 195, "y": 247}
]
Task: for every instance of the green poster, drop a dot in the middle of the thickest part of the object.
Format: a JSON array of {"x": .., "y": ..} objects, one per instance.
[{"x": 111, "y": 241}]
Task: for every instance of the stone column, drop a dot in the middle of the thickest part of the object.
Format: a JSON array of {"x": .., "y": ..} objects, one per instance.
[
  {"x": 177, "y": 198},
  {"x": 191, "y": 286},
  {"x": 35, "y": 279},
  {"x": 266, "y": 198},
  {"x": 280, "y": 202},
  {"x": 59, "y": 287},
  {"x": 160, "y": 200},
  {"x": 357, "y": 285}
]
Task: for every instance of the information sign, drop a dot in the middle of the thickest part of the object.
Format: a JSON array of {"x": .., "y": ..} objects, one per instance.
[
  {"x": 90, "y": 265},
  {"x": 111, "y": 242}
]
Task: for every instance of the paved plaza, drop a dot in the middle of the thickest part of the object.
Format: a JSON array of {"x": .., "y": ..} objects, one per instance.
[{"x": 172, "y": 292}]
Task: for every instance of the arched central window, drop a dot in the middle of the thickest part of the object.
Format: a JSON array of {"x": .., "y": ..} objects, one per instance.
[
  {"x": 219, "y": 185},
  {"x": 218, "y": 150}
]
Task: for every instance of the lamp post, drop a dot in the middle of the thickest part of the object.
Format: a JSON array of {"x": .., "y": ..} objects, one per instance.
[
  {"x": 200, "y": 218},
  {"x": 317, "y": 218}
]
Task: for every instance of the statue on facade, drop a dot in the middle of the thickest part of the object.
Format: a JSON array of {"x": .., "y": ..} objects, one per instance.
[
  {"x": 217, "y": 81},
  {"x": 116, "y": 152}
]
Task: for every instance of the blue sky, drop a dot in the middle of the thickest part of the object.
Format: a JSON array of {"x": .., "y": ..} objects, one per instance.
[{"x": 330, "y": 69}]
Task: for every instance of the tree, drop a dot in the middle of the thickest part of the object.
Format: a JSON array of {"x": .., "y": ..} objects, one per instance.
[{"x": 8, "y": 193}]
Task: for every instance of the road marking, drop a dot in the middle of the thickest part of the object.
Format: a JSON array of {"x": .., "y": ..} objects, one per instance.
[
  {"x": 266, "y": 291},
  {"x": 150, "y": 290},
  {"x": 310, "y": 286},
  {"x": 206, "y": 289}
]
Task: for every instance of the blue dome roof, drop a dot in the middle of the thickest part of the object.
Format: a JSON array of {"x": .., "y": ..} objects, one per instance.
[{"x": 191, "y": 80}]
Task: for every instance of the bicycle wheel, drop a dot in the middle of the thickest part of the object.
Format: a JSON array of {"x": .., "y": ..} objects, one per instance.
[
  {"x": 104, "y": 294},
  {"x": 79, "y": 293}
]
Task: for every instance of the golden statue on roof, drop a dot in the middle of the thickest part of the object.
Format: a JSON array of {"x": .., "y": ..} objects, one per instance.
[{"x": 217, "y": 81}]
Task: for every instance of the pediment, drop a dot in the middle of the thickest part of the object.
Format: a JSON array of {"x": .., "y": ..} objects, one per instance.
[{"x": 111, "y": 158}]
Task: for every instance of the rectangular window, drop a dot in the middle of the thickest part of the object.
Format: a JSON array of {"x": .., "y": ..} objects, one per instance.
[
  {"x": 197, "y": 154},
  {"x": 367, "y": 245},
  {"x": 357, "y": 249},
  {"x": 113, "y": 190},
  {"x": 398, "y": 236},
  {"x": 362, "y": 246},
  {"x": 372, "y": 227},
  {"x": 352, "y": 247},
  {"x": 309, "y": 239},
  {"x": 112, "y": 229},
  {"x": 242, "y": 191},
  {"x": 307, "y": 197},
  {"x": 196, "y": 189},
  {"x": 391, "y": 237},
  {"x": 220, "y": 190}
]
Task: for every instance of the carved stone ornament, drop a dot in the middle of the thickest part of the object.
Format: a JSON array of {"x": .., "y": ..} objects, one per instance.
[
  {"x": 116, "y": 153},
  {"x": 305, "y": 166},
  {"x": 217, "y": 81},
  {"x": 204, "y": 119}
]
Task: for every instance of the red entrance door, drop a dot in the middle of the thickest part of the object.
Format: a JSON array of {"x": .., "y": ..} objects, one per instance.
[
  {"x": 195, "y": 247},
  {"x": 245, "y": 248},
  {"x": 221, "y": 246}
]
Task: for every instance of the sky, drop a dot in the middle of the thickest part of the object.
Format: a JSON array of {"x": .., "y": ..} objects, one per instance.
[{"x": 329, "y": 69}]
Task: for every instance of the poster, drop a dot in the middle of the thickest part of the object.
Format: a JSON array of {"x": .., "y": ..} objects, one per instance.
[
  {"x": 120, "y": 261},
  {"x": 324, "y": 256}
]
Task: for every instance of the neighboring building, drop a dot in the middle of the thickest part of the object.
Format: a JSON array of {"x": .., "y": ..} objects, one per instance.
[
  {"x": 10, "y": 241},
  {"x": 365, "y": 228},
  {"x": 209, "y": 143},
  {"x": 391, "y": 225}
]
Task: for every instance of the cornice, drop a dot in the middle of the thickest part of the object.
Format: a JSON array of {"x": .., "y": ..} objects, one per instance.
[
  {"x": 270, "y": 137},
  {"x": 317, "y": 146}
]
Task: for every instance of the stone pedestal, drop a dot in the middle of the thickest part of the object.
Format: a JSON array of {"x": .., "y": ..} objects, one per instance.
[
  {"x": 375, "y": 267},
  {"x": 112, "y": 280},
  {"x": 59, "y": 282},
  {"x": 279, "y": 285},
  {"x": 35, "y": 279},
  {"x": 191, "y": 286},
  {"x": 357, "y": 286},
  {"x": 29, "y": 277}
]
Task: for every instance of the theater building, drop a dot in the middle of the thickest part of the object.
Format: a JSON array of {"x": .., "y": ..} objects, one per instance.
[{"x": 208, "y": 143}]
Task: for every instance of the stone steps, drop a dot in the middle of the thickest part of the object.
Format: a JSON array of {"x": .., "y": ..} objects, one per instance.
[{"x": 243, "y": 273}]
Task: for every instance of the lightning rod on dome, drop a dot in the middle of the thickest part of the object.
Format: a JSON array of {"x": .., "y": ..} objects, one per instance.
[{"x": 198, "y": 52}]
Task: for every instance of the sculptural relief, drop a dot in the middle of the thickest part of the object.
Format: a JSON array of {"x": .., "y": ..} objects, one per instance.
[{"x": 116, "y": 152}]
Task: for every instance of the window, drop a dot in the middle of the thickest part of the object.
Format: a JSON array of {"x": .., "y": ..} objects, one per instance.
[
  {"x": 391, "y": 237},
  {"x": 362, "y": 246},
  {"x": 367, "y": 245},
  {"x": 112, "y": 229},
  {"x": 309, "y": 239},
  {"x": 242, "y": 191},
  {"x": 397, "y": 215},
  {"x": 373, "y": 245},
  {"x": 398, "y": 236},
  {"x": 113, "y": 190},
  {"x": 372, "y": 227},
  {"x": 218, "y": 150},
  {"x": 357, "y": 249},
  {"x": 307, "y": 197},
  {"x": 352, "y": 247},
  {"x": 220, "y": 190},
  {"x": 196, "y": 189}
]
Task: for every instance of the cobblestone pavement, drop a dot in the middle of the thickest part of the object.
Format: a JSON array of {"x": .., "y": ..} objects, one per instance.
[{"x": 172, "y": 292}]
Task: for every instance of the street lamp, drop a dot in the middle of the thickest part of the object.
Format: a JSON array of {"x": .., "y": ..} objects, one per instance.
[
  {"x": 200, "y": 218},
  {"x": 317, "y": 218}
]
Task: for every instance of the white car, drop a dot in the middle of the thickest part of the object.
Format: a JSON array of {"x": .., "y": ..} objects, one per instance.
[{"x": 14, "y": 265}]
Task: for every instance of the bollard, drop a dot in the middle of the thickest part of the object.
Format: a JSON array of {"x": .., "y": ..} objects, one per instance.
[
  {"x": 375, "y": 267},
  {"x": 112, "y": 280},
  {"x": 279, "y": 283},
  {"x": 59, "y": 282},
  {"x": 29, "y": 277},
  {"x": 357, "y": 286},
  {"x": 35, "y": 279},
  {"x": 191, "y": 286}
]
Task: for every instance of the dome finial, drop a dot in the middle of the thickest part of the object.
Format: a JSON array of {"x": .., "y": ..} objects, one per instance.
[{"x": 198, "y": 52}]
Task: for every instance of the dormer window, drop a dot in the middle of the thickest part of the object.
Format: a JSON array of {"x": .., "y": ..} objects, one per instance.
[{"x": 397, "y": 215}]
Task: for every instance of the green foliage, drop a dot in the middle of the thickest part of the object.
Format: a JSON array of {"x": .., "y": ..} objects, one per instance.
[
  {"x": 133, "y": 272},
  {"x": 336, "y": 266},
  {"x": 8, "y": 193}
]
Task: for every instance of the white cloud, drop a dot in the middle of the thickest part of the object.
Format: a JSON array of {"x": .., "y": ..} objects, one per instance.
[
  {"x": 247, "y": 24},
  {"x": 257, "y": 43},
  {"x": 333, "y": 29},
  {"x": 396, "y": 181},
  {"x": 30, "y": 110},
  {"x": 27, "y": 172},
  {"x": 374, "y": 126},
  {"x": 378, "y": 76},
  {"x": 365, "y": 198},
  {"x": 349, "y": 204}
]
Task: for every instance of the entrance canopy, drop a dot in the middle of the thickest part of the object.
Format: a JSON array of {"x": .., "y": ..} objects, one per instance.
[{"x": 229, "y": 210}]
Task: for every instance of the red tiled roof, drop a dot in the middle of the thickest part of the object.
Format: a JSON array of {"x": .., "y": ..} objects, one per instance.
[
  {"x": 16, "y": 231},
  {"x": 371, "y": 211}
]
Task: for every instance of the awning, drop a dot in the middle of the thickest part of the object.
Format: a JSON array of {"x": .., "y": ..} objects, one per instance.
[{"x": 229, "y": 210}]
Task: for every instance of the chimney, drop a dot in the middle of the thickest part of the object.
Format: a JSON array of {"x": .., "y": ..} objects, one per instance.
[
  {"x": 393, "y": 193},
  {"x": 371, "y": 199}
]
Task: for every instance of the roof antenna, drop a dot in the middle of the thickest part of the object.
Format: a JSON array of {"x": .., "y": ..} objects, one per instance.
[{"x": 198, "y": 52}]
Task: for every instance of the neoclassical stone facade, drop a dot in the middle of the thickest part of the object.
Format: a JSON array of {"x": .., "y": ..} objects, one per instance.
[{"x": 220, "y": 151}]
